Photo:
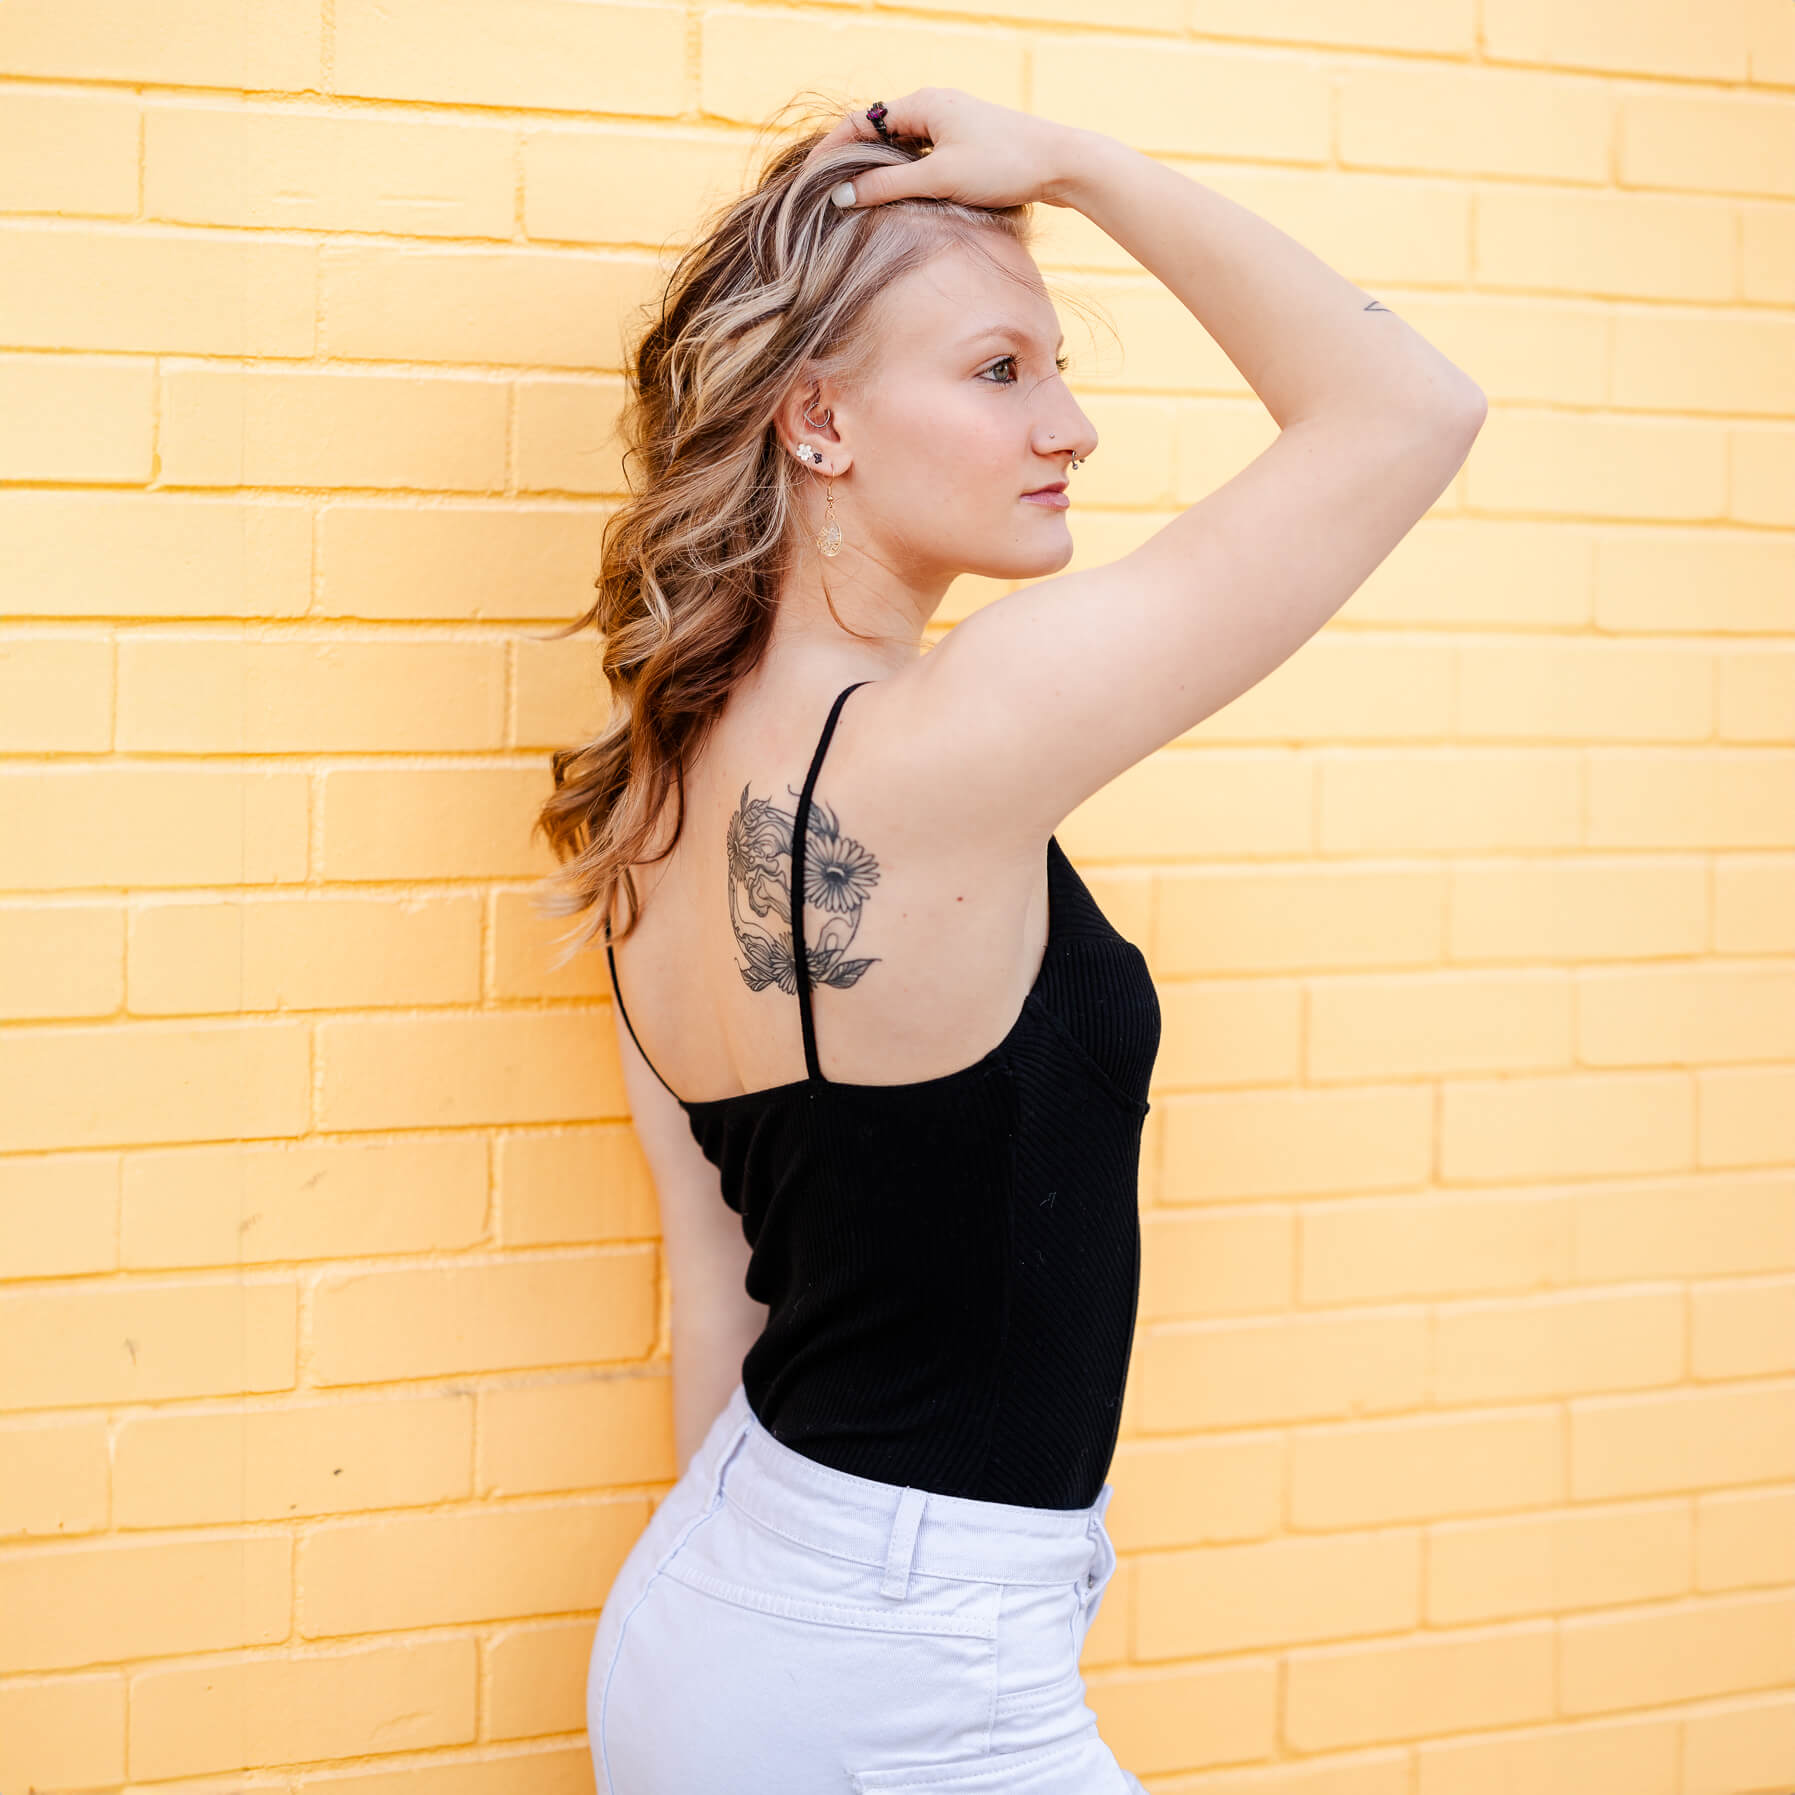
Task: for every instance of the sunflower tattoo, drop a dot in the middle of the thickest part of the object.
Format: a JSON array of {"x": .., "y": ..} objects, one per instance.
[{"x": 838, "y": 875}]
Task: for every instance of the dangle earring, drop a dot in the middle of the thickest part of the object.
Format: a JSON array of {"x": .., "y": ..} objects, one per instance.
[{"x": 828, "y": 540}]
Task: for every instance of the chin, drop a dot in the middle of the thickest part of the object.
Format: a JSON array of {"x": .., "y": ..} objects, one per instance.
[{"x": 1044, "y": 557}]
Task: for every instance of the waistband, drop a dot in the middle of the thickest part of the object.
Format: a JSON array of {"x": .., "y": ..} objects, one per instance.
[{"x": 894, "y": 1525}]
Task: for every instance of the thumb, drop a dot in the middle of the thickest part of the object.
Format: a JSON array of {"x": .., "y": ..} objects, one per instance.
[{"x": 875, "y": 186}]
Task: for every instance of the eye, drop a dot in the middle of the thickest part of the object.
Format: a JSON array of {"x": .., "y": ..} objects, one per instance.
[{"x": 1060, "y": 362}]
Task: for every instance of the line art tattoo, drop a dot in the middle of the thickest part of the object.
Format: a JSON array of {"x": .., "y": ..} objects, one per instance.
[{"x": 839, "y": 874}]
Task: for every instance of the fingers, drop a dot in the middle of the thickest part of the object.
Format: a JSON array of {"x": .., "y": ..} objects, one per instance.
[{"x": 849, "y": 128}]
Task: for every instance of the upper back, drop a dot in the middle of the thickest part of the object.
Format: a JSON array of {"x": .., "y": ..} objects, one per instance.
[{"x": 921, "y": 947}]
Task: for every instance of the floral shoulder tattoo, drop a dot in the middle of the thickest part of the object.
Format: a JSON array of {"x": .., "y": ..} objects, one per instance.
[{"x": 839, "y": 875}]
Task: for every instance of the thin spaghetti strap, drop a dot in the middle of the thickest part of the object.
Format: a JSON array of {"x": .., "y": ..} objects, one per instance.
[
  {"x": 623, "y": 1011},
  {"x": 800, "y": 826}
]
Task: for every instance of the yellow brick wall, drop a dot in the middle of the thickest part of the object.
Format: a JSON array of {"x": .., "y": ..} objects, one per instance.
[{"x": 1459, "y": 1451}]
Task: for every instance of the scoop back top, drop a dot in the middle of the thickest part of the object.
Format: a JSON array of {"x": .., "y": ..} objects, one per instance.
[{"x": 951, "y": 1267}]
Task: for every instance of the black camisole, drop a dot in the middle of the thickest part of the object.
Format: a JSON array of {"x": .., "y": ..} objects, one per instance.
[{"x": 951, "y": 1267}]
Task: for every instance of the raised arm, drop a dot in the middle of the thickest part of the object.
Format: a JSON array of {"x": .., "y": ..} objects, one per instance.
[{"x": 1042, "y": 697}]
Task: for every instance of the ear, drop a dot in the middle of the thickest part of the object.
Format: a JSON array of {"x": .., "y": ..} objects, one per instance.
[{"x": 806, "y": 416}]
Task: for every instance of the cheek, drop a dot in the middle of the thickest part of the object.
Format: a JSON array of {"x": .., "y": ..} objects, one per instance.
[{"x": 977, "y": 458}]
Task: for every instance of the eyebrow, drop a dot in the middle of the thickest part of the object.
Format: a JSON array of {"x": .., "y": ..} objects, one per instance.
[{"x": 1012, "y": 332}]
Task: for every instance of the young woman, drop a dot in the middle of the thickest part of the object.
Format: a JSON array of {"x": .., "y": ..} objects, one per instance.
[{"x": 887, "y": 1058}]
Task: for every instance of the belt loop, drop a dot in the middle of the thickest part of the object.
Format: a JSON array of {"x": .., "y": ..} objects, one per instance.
[
  {"x": 901, "y": 1548},
  {"x": 1103, "y": 1560},
  {"x": 725, "y": 1455}
]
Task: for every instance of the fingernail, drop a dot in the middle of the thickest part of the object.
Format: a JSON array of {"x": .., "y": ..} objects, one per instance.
[{"x": 843, "y": 195}]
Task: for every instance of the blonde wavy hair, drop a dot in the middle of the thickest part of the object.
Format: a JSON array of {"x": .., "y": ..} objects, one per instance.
[{"x": 780, "y": 284}]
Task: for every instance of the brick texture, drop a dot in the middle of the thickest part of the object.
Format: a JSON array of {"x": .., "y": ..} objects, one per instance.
[{"x": 1458, "y": 1453}]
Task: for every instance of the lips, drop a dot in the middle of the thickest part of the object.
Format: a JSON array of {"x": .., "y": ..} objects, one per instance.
[{"x": 1054, "y": 497}]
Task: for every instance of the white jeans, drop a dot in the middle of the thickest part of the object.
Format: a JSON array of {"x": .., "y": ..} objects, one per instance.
[{"x": 783, "y": 1627}]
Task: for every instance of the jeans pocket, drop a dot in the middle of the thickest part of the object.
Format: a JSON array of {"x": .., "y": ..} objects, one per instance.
[{"x": 742, "y": 1560}]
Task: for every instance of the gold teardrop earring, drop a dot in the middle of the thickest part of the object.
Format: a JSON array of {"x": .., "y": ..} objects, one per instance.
[{"x": 829, "y": 541}]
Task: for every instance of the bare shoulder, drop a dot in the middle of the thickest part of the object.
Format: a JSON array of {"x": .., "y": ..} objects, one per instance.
[{"x": 1042, "y": 697}]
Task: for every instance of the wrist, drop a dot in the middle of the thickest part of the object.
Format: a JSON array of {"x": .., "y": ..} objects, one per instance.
[{"x": 1079, "y": 161}]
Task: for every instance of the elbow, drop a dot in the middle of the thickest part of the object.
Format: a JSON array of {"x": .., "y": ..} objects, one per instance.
[{"x": 1468, "y": 407}]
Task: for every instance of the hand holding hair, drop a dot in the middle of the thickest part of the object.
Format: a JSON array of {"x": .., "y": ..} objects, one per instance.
[{"x": 981, "y": 154}]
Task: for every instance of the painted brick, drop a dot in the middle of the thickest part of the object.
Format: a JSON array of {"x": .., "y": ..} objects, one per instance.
[
  {"x": 1186, "y": 99},
  {"x": 55, "y": 697},
  {"x": 1428, "y": 1684},
  {"x": 196, "y": 43},
  {"x": 156, "y": 291},
  {"x": 1420, "y": 1467},
  {"x": 576, "y": 1184},
  {"x": 462, "y": 1566},
  {"x": 75, "y": 418},
  {"x": 746, "y": 58},
  {"x": 462, "y": 562},
  {"x": 1742, "y": 1328},
  {"x": 146, "y": 555},
  {"x": 218, "y": 694},
  {"x": 311, "y": 1199},
  {"x": 1437, "y": 1245},
  {"x": 433, "y": 823},
  {"x": 64, "y": 1732},
  {"x": 1492, "y": 122},
  {"x": 1610, "y": 38},
  {"x": 289, "y": 170},
  {"x": 1637, "y": 1752},
  {"x": 590, "y": 1435},
  {"x": 1688, "y": 1439},
  {"x": 303, "y": 954},
  {"x": 230, "y": 427},
  {"x": 58, "y": 1215},
  {"x": 71, "y": 153},
  {"x": 71, "y": 1606},
  {"x": 1676, "y": 1652},
  {"x": 57, "y": 1479},
  {"x": 1557, "y": 1562},
  {"x": 555, "y": 308},
  {"x": 62, "y": 961},
  {"x": 623, "y": 185},
  {"x": 272, "y": 1464},
  {"x": 145, "y": 1341},
  {"x": 1278, "y": 1592},
  {"x": 194, "y": 1719},
  {"x": 563, "y": 55},
  {"x": 1281, "y": 1368},
  {"x": 513, "y": 1314},
  {"x": 536, "y": 1679}
]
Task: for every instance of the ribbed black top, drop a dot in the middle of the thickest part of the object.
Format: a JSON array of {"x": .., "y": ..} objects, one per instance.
[{"x": 952, "y": 1266}]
